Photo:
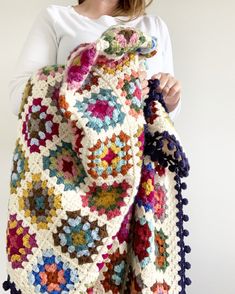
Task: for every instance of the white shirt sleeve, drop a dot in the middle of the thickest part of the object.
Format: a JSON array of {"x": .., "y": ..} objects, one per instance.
[
  {"x": 168, "y": 64},
  {"x": 39, "y": 49}
]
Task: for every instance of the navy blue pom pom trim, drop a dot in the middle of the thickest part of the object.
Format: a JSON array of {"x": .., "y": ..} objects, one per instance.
[
  {"x": 8, "y": 285},
  {"x": 176, "y": 162}
]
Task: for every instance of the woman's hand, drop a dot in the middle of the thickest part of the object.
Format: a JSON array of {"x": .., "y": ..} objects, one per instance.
[
  {"x": 170, "y": 88},
  {"x": 144, "y": 82}
]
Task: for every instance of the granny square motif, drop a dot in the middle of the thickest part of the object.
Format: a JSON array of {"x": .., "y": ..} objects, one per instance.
[{"x": 96, "y": 201}]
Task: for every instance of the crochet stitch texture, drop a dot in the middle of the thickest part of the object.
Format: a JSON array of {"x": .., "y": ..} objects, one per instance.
[{"x": 96, "y": 201}]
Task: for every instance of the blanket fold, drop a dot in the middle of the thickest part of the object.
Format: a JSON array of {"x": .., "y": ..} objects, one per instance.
[{"x": 96, "y": 201}]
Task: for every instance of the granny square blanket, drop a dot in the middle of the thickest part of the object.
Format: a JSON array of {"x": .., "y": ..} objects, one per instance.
[{"x": 96, "y": 201}]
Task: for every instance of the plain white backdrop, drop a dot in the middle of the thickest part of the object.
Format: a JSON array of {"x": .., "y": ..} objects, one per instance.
[{"x": 203, "y": 40}]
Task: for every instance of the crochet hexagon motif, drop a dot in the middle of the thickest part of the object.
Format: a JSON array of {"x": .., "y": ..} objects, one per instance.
[
  {"x": 115, "y": 272},
  {"x": 101, "y": 110},
  {"x": 110, "y": 157},
  {"x": 106, "y": 199},
  {"x": 20, "y": 242},
  {"x": 38, "y": 126},
  {"x": 39, "y": 202},
  {"x": 79, "y": 237},
  {"x": 64, "y": 164},
  {"x": 52, "y": 275},
  {"x": 19, "y": 168}
]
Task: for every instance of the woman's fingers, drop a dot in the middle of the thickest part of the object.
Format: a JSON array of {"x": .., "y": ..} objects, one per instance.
[
  {"x": 157, "y": 76},
  {"x": 165, "y": 82},
  {"x": 163, "y": 78},
  {"x": 174, "y": 93},
  {"x": 143, "y": 75},
  {"x": 145, "y": 91},
  {"x": 170, "y": 88},
  {"x": 144, "y": 82},
  {"x": 169, "y": 85}
]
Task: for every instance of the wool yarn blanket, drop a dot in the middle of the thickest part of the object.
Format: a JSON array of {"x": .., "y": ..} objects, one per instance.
[{"x": 96, "y": 201}]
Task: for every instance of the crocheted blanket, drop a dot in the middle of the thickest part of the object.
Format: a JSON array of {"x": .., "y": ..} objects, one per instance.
[{"x": 96, "y": 201}]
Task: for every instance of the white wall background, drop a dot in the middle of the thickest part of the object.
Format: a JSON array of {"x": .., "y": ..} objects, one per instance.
[{"x": 203, "y": 39}]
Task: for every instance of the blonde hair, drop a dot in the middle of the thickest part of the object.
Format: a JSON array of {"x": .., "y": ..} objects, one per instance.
[{"x": 131, "y": 8}]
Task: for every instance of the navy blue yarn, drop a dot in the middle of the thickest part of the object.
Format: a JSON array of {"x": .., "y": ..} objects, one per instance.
[
  {"x": 8, "y": 285},
  {"x": 154, "y": 95},
  {"x": 177, "y": 163}
]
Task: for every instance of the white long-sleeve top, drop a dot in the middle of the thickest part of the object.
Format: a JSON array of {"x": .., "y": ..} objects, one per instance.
[{"x": 58, "y": 29}]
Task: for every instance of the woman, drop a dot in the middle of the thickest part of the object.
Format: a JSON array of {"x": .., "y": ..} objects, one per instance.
[
  {"x": 55, "y": 33},
  {"x": 58, "y": 29}
]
